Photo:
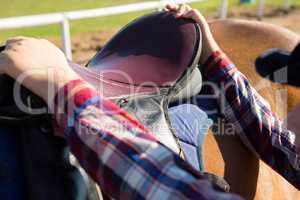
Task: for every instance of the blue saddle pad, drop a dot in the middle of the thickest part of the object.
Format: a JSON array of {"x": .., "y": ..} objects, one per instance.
[{"x": 191, "y": 125}]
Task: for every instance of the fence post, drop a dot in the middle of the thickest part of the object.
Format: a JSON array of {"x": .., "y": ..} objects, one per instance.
[
  {"x": 287, "y": 5},
  {"x": 261, "y": 8},
  {"x": 223, "y": 9},
  {"x": 66, "y": 37}
]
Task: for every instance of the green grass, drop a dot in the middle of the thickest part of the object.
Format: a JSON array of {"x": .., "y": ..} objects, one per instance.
[{"x": 11, "y": 8}]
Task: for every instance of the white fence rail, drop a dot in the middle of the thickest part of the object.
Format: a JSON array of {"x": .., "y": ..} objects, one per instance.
[{"x": 65, "y": 17}]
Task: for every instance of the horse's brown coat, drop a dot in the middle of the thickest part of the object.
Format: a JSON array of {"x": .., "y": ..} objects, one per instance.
[{"x": 243, "y": 41}]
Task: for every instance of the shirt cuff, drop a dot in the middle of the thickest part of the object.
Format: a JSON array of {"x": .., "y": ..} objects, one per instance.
[
  {"x": 69, "y": 100},
  {"x": 218, "y": 67}
]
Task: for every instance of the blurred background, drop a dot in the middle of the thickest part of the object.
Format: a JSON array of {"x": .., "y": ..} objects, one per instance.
[{"x": 89, "y": 34}]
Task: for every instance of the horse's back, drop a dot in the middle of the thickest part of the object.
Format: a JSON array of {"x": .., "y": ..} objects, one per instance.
[{"x": 243, "y": 41}]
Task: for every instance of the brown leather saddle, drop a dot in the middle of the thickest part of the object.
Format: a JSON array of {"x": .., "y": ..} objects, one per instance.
[
  {"x": 151, "y": 62},
  {"x": 148, "y": 64}
]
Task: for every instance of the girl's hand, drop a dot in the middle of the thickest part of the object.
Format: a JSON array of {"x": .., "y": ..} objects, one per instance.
[
  {"x": 185, "y": 11},
  {"x": 36, "y": 64}
]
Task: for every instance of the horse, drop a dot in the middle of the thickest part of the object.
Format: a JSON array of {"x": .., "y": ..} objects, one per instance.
[{"x": 225, "y": 155}]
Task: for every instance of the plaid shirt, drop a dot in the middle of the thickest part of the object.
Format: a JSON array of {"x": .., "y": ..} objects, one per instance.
[
  {"x": 258, "y": 127},
  {"x": 128, "y": 162}
]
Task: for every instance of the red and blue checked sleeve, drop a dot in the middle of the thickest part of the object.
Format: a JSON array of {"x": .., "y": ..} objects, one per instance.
[
  {"x": 122, "y": 156},
  {"x": 258, "y": 127}
]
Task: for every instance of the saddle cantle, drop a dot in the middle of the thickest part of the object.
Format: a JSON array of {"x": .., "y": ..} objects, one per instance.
[{"x": 150, "y": 62}]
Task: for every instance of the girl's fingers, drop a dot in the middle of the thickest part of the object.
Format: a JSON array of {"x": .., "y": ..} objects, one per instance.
[
  {"x": 191, "y": 15},
  {"x": 3, "y": 62},
  {"x": 15, "y": 39},
  {"x": 183, "y": 9},
  {"x": 171, "y": 7},
  {"x": 188, "y": 8},
  {"x": 194, "y": 15}
]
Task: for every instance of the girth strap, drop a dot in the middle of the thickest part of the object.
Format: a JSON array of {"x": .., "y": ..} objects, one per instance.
[{"x": 11, "y": 116}]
